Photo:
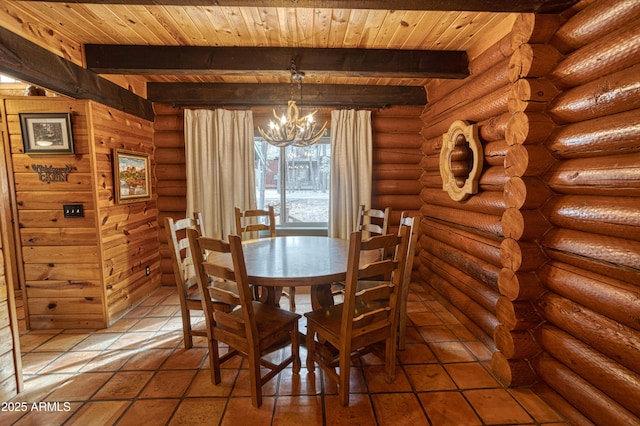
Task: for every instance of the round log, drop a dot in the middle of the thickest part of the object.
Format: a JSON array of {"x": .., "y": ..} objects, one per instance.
[
  {"x": 396, "y": 187},
  {"x": 527, "y": 160},
  {"x": 174, "y": 204},
  {"x": 531, "y": 95},
  {"x": 481, "y": 62},
  {"x": 474, "y": 87},
  {"x": 613, "y": 175},
  {"x": 466, "y": 284},
  {"x": 512, "y": 372},
  {"x": 613, "y": 52},
  {"x": 392, "y": 156},
  {"x": 168, "y": 122},
  {"x": 170, "y": 156},
  {"x": 604, "y": 295},
  {"x": 526, "y": 225},
  {"x": 431, "y": 180},
  {"x": 570, "y": 413},
  {"x": 465, "y": 267},
  {"x": 482, "y": 318},
  {"x": 528, "y": 128},
  {"x": 490, "y": 105},
  {"x": 430, "y": 163},
  {"x": 593, "y": 403},
  {"x": 613, "y": 134},
  {"x": 612, "y": 216},
  {"x": 526, "y": 193},
  {"x": 519, "y": 286},
  {"x": 521, "y": 255},
  {"x": 398, "y": 140},
  {"x": 476, "y": 244},
  {"x": 530, "y": 28},
  {"x": 607, "y": 375},
  {"x": 480, "y": 221},
  {"x": 399, "y": 202},
  {"x": 493, "y": 179},
  {"x": 168, "y": 139},
  {"x": 595, "y": 22},
  {"x": 532, "y": 60},
  {"x": 617, "y": 341},
  {"x": 396, "y": 172},
  {"x": 489, "y": 202},
  {"x": 517, "y": 315},
  {"x": 171, "y": 172},
  {"x": 494, "y": 128},
  {"x": 432, "y": 146},
  {"x": 611, "y": 94},
  {"x": 171, "y": 188},
  {"x": 384, "y": 124},
  {"x": 515, "y": 344},
  {"x": 495, "y": 152}
]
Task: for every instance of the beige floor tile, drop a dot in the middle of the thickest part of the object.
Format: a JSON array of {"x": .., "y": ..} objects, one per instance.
[
  {"x": 168, "y": 384},
  {"x": 398, "y": 409},
  {"x": 240, "y": 411},
  {"x": 98, "y": 413},
  {"x": 61, "y": 342},
  {"x": 34, "y": 362},
  {"x": 185, "y": 359},
  {"x": 150, "y": 359},
  {"x": 299, "y": 384},
  {"x": 437, "y": 333},
  {"x": 448, "y": 409},
  {"x": 497, "y": 406},
  {"x": 429, "y": 377},
  {"x": 292, "y": 410},
  {"x": 416, "y": 353},
  {"x": 536, "y": 407},
  {"x": 199, "y": 411},
  {"x": 70, "y": 362},
  {"x": 48, "y": 415},
  {"x": 451, "y": 352},
  {"x": 358, "y": 413},
  {"x": 138, "y": 413},
  {"x": 79, "y": 387},
  {"x": 123, "y": 385},
  {"x": 471, "y": 376},
  {"x": 109, "y": 360},
  {"x": 203, "y": 386},
  {"x": 377, "y": 380}
]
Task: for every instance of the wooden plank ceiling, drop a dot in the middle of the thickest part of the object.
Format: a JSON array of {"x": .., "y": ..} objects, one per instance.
[{"x": 367, "y": 43}]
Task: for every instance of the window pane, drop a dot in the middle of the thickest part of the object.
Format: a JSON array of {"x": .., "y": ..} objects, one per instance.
[{"x": 297, "y": 178}]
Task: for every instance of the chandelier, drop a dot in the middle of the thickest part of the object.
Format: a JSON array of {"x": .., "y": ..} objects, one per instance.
[{"x": 291, "y": 129}]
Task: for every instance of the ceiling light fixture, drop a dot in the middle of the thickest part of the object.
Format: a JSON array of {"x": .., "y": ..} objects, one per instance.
[{"x": 291, "y": 129}]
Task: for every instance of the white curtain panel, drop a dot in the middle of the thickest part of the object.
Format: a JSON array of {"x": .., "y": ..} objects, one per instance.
[
  {"x": 220, "y": 167},
  {"x": 351, "y": 169}
]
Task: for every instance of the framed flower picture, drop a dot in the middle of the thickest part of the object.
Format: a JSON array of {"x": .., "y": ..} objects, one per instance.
[{"x": 131, "y": 174}]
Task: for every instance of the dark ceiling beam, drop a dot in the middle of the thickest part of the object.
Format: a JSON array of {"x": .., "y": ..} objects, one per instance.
[
  {"x": 275, "y": 61},
  {"x": 27, "y": 61},
  {"x": 535, "y": 6},
  {"x": 314, "y": 95}
]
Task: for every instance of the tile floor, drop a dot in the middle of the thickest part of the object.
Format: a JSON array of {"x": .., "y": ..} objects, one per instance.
[{"x": 138, "y": 373}]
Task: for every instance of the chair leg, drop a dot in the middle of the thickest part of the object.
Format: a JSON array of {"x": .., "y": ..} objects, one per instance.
[
  {"x": 186, "y": 328},
  {"x": 255, "y": 379},
  {"x": 311, "y": 367},
  {"x": 345, "y": 373},
  {"x": 214, "y": 361},
  {"x": 295, "y": 346},
  {"x": 390, "y": 357},
  {"x": 292, "y": 299}
]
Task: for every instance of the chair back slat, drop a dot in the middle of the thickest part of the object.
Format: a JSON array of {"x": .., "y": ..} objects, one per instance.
[
  {"x": 373, "y": 221},
  {"x": 224, "y": 295},
  {"x": 255, "y": 220}
]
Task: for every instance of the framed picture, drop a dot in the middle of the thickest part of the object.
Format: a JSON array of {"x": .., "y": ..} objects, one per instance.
[
  {"x": 46, "y": 133},
  {"x": 131, "y": 175}
]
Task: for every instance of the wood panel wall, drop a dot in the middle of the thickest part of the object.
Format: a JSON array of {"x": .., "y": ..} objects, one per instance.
[
  {"x": 543, "y": 263},
  {"x": 81, "y": 272},
  {"x": 10, "y": 362},
  {"x": 396, "y": 170}
]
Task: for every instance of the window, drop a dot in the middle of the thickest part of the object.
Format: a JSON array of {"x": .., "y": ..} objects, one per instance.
[{"x": 296, "y": 178}]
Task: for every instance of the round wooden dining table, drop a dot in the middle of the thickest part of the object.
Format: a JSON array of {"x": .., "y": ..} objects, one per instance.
[{"x": 292, "y": 261}]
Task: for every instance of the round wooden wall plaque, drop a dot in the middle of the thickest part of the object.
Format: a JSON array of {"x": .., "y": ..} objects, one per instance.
[{"x": 461, "y": 160}]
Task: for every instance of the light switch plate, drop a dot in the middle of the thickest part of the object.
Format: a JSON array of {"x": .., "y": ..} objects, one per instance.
[{"x": 73, "y": 210}]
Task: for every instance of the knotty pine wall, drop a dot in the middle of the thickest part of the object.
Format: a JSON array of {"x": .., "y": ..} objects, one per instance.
[
  {"x": 396, "y": 170},
  {"x": 543, "y": 264},
  {"x": 82, "y": 272}
]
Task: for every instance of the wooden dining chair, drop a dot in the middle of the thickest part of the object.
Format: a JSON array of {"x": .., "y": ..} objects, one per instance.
[
  {"x": 365, "y": 318},
  {"x": 373, "y": 221},
  {"x": 260, "y": 220},
  {"x": 184, "y": 273},
  {"x": 252, "y": 330}
]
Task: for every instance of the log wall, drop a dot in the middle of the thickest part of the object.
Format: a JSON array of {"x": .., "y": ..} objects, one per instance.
[
  {"x": 543, "y": 263},
  {"x": 396, "y": 170},
  {"x": 81, "y": 272}
]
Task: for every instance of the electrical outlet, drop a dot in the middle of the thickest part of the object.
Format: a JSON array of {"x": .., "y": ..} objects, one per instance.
[
  {"x": 73, "y": 210},
  {"x": 148, "y": 270}
]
